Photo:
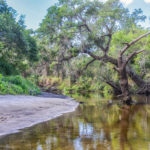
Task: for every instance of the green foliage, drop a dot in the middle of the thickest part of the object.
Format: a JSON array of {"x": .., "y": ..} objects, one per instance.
[
  {"x": 81, "y": 86},
  {"x": 107, "y": 91},
  {"x": 70, "y": 32},
  {"x": 75, "y": 31},
  {"x": 32, "y": 48},
  {"x": 17, "y": 85},
  {"x": 16, "y": 43},
  {"x": 6, "y": 68}
]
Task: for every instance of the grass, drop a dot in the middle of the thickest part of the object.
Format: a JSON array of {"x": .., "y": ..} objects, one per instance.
[{"x": 17, "y": 85}]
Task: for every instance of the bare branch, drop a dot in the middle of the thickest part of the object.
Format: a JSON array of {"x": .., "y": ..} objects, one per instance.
[
  {"x": 125, "y": 43},
  {"x": 85, "y": 24},
  {"x": 98, "y": 39},
  {"x": 90, "y": 62},
  {"x": 67, "y": 58},
  {"x": 97, "y": 42},
  {"x": 133, "y": 42},
  {"x": 109, "y": 35},
  {"x": 109, "y": 29},
  {"x": 131, "y": 56},
  {"x": 102, "y": 36},
  {"x": 117, "y": 69},
  {"x": 109, "y": 43},
  {"x": 86, "y": 66},
  {"x": 92, "y": 55},
  {"x": 114, "y": 85},
  {"x": 90, "y": 31},
  {"x": 104, "y": 58}
]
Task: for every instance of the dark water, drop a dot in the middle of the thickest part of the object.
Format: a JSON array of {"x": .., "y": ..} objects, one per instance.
[{"x": 96, "y": 125}]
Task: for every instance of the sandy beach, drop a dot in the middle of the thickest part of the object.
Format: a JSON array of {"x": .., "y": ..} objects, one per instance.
[{"x": 18, "y": 112}]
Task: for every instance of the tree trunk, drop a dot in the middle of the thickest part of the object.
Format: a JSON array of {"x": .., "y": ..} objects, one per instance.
[
  {"x": 135, "y": 77},
  {"x": 115, "y": 86},
  {"x": 124, "y": 85},
  {"x": 144, "y": 87},
  {"x": 123, "y": 80}
]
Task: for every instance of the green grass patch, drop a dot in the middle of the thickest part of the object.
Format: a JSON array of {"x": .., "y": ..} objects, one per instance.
[{"x": 17, "y": 85}]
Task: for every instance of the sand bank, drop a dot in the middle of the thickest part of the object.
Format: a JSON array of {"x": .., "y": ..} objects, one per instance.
[{"x": 18, "y": 112}]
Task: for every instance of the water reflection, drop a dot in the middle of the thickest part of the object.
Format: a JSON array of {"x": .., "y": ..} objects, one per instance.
[{"x": 94, "y": 126}]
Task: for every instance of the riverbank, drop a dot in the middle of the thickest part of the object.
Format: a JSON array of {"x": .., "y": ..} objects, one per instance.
[{"x": 18, "y": 112}]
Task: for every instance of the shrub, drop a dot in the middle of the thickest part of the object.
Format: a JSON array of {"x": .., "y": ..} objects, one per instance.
[
  {"x": 6, "y": 68},
  {"x": 17, "y": 85},
  {"x": 45, "y": 81}
]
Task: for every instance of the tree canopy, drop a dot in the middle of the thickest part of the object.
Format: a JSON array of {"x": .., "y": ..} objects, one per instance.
[
  {"x": 94, "y": 31},
  {"x": 80, "y": 40},
  {"x": 16, "y": 42}
]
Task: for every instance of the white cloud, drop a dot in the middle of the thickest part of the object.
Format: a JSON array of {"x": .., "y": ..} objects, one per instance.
[
  {"x": 147, "y": 1},
  {"x": 127, "y": 2}
]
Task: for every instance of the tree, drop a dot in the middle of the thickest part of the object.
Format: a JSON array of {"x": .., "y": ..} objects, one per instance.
[
  {"x": 17, "y": 44},
  {"x": 78, "y": 27},
  {"x": 122, "y": 63}
]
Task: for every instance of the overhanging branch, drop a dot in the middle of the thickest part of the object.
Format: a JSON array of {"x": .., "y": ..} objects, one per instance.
[
  {"x": 131, "y": 56},
  {"x": 86, "y": 66},
  {"x": 133, "y": 42}
]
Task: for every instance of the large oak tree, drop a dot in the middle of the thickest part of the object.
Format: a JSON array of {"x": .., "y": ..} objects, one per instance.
[{"x": 75, "y": 27}]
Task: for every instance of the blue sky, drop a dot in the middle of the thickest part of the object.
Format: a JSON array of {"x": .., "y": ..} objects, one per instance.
[
  {"x": 144, "y": 5},
  {"x": 35, "y": 10}
]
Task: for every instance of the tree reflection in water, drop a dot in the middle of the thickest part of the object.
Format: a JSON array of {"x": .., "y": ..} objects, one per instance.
[{"x": 94, "y": 126}]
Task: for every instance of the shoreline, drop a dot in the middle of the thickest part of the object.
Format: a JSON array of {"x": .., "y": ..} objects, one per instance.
[{"x": 19, "y": 112}]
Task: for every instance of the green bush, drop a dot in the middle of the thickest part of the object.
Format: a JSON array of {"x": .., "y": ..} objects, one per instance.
[
  {"x": 107, "y": 91},
  {"x": 6, "y": 68},
  {"x": 17, "y": 85},
  {"x": 82, "y": 85}
]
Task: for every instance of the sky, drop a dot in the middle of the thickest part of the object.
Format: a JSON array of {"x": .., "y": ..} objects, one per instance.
[{"x": 35, "y": 10}]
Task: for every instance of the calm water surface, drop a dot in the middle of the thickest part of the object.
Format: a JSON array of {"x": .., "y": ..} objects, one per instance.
[{"x": 95, "y": 125}]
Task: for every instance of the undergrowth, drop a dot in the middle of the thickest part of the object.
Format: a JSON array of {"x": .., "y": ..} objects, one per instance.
[{"x": 17, "y": 85}]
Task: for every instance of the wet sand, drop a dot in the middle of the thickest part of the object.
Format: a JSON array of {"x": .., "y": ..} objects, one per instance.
[{"x": 18, "y": 112}]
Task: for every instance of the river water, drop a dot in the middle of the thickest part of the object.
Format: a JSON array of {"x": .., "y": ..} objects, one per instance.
[{"x": 95, "y": 125}]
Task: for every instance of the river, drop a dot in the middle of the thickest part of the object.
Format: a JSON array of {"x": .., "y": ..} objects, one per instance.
[{"x": 95, "y": 125}]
